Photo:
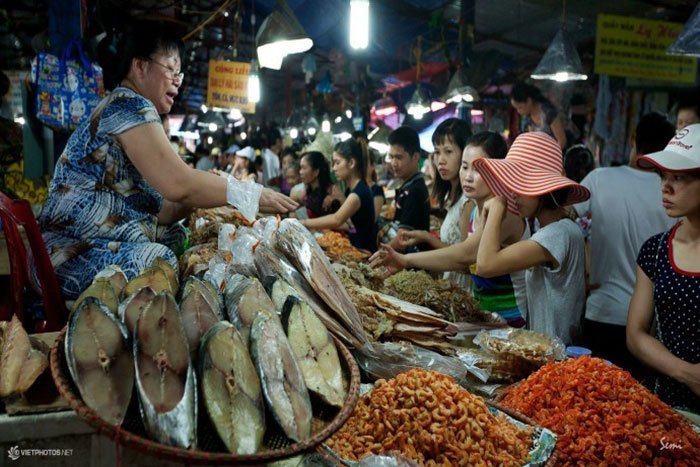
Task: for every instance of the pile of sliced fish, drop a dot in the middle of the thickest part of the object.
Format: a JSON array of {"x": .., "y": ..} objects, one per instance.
[
  {"x": 168, "y": 352},
  {"x": 310, "y": 260}
]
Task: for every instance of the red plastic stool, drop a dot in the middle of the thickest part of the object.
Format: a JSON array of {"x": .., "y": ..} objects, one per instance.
[{"x": 15, "y": 213}]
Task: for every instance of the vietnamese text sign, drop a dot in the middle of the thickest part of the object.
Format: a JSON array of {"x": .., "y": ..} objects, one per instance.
[
  {"x": 636, "y": 48},
  {"x": 228, "y": 85}
]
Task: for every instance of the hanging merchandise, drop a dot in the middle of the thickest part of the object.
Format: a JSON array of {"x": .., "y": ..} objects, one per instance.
[
  {"x": 324, "y": 86},
  {"x": 67, "y": 89},
  {"x": 308, "y": 66}
]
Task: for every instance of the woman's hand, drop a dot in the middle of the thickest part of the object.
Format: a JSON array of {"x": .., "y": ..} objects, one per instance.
[
  {"x": 389, "y": 258},
  {"x": 336, "y": 195},
  {"x": 692, "y": 378},
  {"x": 272, "y": 202},
  {"x": 496, "y": 206},
  {"x": 407, "y": 238}
]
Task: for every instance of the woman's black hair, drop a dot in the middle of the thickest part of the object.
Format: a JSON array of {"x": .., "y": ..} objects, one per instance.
[
  {"x": 457, "y": 131},
  {"x": 555, "y": 199},
  {"x": 349, "y": 150},
  {"x": 491, "y": 143},
  {"x": 522, "y": 91},
  {"x": 318, "y": 161},
  {"x": 143, "y": 39},
  {"x": 578, "y": 162}
]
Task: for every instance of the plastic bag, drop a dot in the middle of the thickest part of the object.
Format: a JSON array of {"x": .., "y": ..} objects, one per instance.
[
  {"x": 240, "y": 247},
  {"x": 68, "y": 88},
  {"x": 531, "y": 346},
  {"x": 265, "y": 228},
  {"x": 244, "y": 196},
  {"x": 389, "y": 359}
]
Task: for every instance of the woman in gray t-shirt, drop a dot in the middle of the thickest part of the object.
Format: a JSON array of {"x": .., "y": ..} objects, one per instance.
[{"x": 529, "y": 182}]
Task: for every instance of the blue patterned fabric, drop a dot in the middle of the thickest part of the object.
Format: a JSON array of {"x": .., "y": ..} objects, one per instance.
[{"x": 100, "y": 210}]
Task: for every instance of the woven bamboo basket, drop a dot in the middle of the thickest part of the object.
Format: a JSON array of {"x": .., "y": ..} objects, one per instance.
[{"x": 210, "y": 449}]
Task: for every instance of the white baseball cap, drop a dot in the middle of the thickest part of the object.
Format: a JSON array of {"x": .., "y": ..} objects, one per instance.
[
  {"x": 682, "y": 153},
  {"x": 248, "y": 152}
]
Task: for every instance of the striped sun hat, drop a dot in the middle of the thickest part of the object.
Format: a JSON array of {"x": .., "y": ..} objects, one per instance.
[{"x": 533, "y": 167}]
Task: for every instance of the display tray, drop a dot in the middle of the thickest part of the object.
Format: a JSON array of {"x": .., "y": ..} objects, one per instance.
[
  {"x": 210, "y": 449},
  {"x": 543, "y": 452}
]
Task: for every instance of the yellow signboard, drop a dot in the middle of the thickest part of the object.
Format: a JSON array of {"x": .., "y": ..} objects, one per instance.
[
  {"x": 228, "y": 86},
  {"x": 636, "y": 48}
]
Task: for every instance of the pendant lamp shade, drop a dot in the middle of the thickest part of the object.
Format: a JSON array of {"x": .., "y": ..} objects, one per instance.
[
  {"x": 379, "y": 139},
  {"x": 688, "y": 41},
  {"x": 458, "y": 90},
  {"x": 384, "y": 107},
  {"x": 419, "y": 104},
  {"x": 280, "y": 34},
  {"x": 561, "y": 61}
]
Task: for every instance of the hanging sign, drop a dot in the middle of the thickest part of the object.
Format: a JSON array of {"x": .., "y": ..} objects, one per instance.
[
  {"x": 227, "y": 87},
  {"x": 636, "y": 48}
]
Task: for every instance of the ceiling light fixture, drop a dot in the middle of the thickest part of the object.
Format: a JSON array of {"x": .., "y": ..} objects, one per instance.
[
  {"x": 458, "y": 90},
  {"x": 280, "y": 34},
  {"x": 359, "y": 24},
  {"x": 384, "y": 107},
  {"x": 561, "y": 61}
]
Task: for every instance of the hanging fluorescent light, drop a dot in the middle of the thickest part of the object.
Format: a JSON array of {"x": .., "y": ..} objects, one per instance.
[
  {"x": 326, "y": 124},
  {"x": 243, "y": 135},
  {"x": 210, "y": 140},
  {"x": 419, "y": 104},
  {"x": 235, "y": 114},
  {"x": 204, "y": 108},
  {"x": 348, "y": 113},
  {"x": 359, "y": 24},
  {"x": 384, "y": 107},
  {"x": 294, "y": 133},
  {"x": 458, "y": 90},
  {"x": 561, "y": 61},
  {"x": 688, "y": 41},
  {"x": 213, "y": 127},
  {"x": 311, "y": 131},
  {"x": 253, "y": 83},
  {"x": 280, "y": 34}
]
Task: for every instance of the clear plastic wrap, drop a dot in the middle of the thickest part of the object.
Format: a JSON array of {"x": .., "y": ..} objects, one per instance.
[
  {"x": 244, "y": 196},
  {"x": 227, "y": 235},
  {"x": 389, "y": 359},
  {"x": 531, "y": 346},
  {"x": 241, "y": 247},
  {"x": 265, "y": 228}
]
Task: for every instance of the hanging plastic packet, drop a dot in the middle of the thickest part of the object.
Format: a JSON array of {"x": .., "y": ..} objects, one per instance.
[{"x": 244, "y": 196}]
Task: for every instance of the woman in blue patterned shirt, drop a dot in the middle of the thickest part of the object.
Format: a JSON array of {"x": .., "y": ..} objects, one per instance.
[{"x": 119, "y": 189}]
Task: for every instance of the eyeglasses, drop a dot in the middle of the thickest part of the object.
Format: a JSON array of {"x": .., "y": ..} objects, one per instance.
[{"x": 172, "y": 74}]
